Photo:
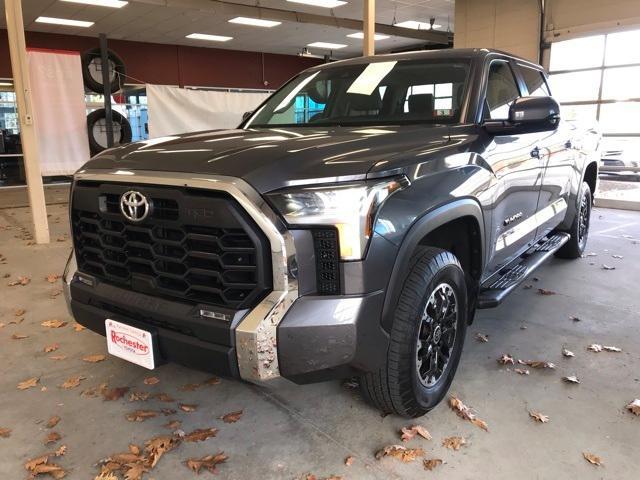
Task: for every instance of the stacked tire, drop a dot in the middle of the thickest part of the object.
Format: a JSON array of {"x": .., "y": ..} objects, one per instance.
[{"x": 96, "y": 120}]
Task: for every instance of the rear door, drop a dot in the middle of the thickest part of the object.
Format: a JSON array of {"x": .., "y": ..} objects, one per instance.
[{"x": 518, "y": 170}]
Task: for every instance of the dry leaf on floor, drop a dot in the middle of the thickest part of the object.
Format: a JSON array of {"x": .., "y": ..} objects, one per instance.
[
  {"x": 22, "y": 281},
  {"x": 611, "y": 349},
  {"x": 18, "y": 312},
  {"x": 594, "y": 347},
  {"x": 156, "y": 447},
  {"x": 5, "y": 432},
  {"x": 19, "y": 336},
  {"x": 185, "y": 407},
  {"x": 571, "y": 379},
  {"x": 506, "y": 359},
  {"x": 409, "y": 432},
  {"x": 544, "y": 291},
  {"x": 51, "y": 348},
  {"x": 53, "y": 323},
  {"x": 141, "y": 415},
  {"x": 454, "y": 443},
  {"x": 52, "y": 437},
  {"x": 29, "y": 383},
  {"x": 151, "y": 380},
  {"x": 539, "y": 417},
  {"x": 72, "y": 382},
  {"x": 575, "y": 319},
  {"x": 537, "y": 364},
  {"x": 139, "y": 396},
  {"x": 465, "y": 412},
  {"x": 163, "y": 397},
  {"x": 200, "y": 435},
  {"x": 482, "y": 338},
  {"x": 231, "y": 417},
  {"x": 593, "y": 459},
  {"x": 41, "y": 466},
  {"x": 400, "y": 452},
  {"x": 634, "y": 407},
  {"x": 207, "y": 463},
  {"x": 431, "y": 463},
  {"x": 94, "y": 392},
  {"x": 567, "y": 353},
  {"x": 349, "y": 461},
  {"x": 114, "y": 394},
  {"x": 53, "y": 421},
  {"x": 213, "y": 381},
  {"x": 52, "y": 278},
  {"x": 58, "y": 357},
  {"x": 78, "y": 328},
  {"x": 61, "y": 451},
  {"x": 173, "y": 425},
  {"x": 168, "y": 411},
  {"x": 94, "y": 358},
  {"x": 521, "y": 371}
]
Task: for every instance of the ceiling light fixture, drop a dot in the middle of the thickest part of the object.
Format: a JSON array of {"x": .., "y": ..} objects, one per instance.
[
  {"x": 64, "y": 21},
  {"x": 100, "y": 3},
  {"x": 415, "y": 25},
  {"x": 327, "y": 45},
  {"x": 320, "y": 3},
  {"x": 211, "y": 38},
  {"x": 255, "y": 22},
  {"x": 6, "y": 84},
  {"x": 360, "y": 35}
]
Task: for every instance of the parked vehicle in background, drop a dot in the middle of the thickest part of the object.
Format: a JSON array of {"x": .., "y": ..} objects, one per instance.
[
  {"x": 620, "y": 157},
  {"x": 355, "y": 239}
]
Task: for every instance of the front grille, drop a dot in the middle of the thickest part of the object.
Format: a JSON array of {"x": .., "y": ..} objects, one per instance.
[{"x": 197, "y": 246}]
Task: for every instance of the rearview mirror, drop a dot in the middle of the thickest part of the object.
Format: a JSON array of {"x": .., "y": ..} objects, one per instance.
[{"x": 527, "y": 115}]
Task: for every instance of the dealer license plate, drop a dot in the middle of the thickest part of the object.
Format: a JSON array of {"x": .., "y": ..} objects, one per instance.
[{"x": 130, "y": 343}]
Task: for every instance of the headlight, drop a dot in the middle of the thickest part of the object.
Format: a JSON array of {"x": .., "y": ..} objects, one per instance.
[{"x": 351, "y": 208}]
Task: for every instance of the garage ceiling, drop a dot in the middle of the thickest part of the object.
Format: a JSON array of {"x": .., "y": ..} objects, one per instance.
[{"x": 169, "y": 21}]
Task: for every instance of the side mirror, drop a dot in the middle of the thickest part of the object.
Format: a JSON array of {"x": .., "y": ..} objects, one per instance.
[
  {"x": 246, "y": 115},
  {"x": 527, "y": 115}
]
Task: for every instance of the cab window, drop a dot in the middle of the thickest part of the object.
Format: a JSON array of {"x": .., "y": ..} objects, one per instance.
[
  {"x": 502, "y": 90},
  {"x": 535, "y": 81}
]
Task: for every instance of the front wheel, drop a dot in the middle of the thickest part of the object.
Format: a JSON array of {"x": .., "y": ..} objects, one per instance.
[
  {"x": 579, "y": 231},
  {"x": 426, "y": 337}
]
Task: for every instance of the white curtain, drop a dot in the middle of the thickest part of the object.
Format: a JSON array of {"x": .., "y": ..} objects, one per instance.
[
  {"x": 175, "y": 110},
  {"x": 59, "y": 111}
]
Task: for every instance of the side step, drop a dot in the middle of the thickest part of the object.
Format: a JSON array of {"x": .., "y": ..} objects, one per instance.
[{"x": 495, "y": 289}]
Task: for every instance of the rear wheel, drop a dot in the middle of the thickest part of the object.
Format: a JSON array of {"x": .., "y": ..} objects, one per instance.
[
  {"x": 426, "y": 338},
  {"x": 579, "y": 231}
]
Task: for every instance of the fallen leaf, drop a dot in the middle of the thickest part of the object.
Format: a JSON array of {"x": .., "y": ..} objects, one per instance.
[
  {"x": 465, "y": 412},
  {"x": 22, "y": 281},
  {"x": 482, "y": 338},
  {"x": 453, "y": 443},
  {"x": 52, "y": 437},
  {"x": 151, "y": 380},
  {"x": 634, "y": 407},
  {"x": 173, "y": 425},
  {"x": 163, "y": 397},
  {"x": 567, "y": 353},
  {"x": 400, "y": 452},
  {"x": 187, "y": 407},
  {"x": 506, "y": 359},
  {"x": 134, "y": 471},
  {"x": 158, "y": 446},
  {"x": 537, "y": 364},
  {"x": 593, "y": 459},
  {"x": 53, "y": 421},
  {"x": 51, "y": 348},
  {"x": 480, "y": 423},
  {"x": 232, "y": 417},
  {"x": 571, "y": 379},
  {"x": 52, "y": 278},
  {"x": 207, "y": 463},
  {"x": 58, "y": 357},
  {"x": 409, "y": 432},
  {"x": 538, "y": 417},
  {"x": 168, "y": 411},
  {"x": 72, "y": 382},
  {"x": 31, "y": 382},
  {"x": 200, "y": 435},
  {"x": 61, "y": 451},
  {"x": 94, "y": 358},
  {"x": 431, "y": 463},
  {"x": 94, "y": 392},
  {"x": 19, "y": 336},
  {"x": 349, "y": 461},
  {"x": 575, "y": 319},
  {"x": 544, "y": 291},
  {"x": 41, "y": 465},
  {"x": 141, "y": 415},
  {"x": 5, "y": 432},
  {"x": 611, "y": 349},
  {"x": 114, "y": 394},
  {"x": 18, "y": 312},
  {"x": 78, "y": 328},
  {"x": 53, "y": 323},
  {"x": 521, "y": 371},
  {"x": 139, "y": 396},
  {"x": 213, "y": 381}
]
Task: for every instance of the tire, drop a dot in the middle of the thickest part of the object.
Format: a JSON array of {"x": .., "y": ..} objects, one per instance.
[
  {"x": 96, "y": 124},
  {"x": 579, "y": 230},
  {"x": 92, "y": 70},
  {"x": 399, "y": 387}
]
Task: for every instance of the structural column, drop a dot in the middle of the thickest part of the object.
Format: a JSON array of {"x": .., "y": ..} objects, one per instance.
[
  {"x": 22, "y": 85},
  {"x": 368, "y": 27}
]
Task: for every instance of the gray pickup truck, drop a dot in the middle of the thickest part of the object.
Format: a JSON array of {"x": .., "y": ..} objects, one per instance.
[{"x": 351, "y": 226}]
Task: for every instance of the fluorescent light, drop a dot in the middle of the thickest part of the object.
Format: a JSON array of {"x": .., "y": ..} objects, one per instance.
[
  {"x": 211, "y": 38},
  {"x": 415, "y": 25},
  {"x": 100, "y": 3},
  {"x": 327, "y": 45},
  {"x": 360, "y": 35},
  {"x": 64, "y": 21},
  {"x": 256, "y": 22},
  {"x": 320, "y": 3},
  {"x": 6, "y": 84}
]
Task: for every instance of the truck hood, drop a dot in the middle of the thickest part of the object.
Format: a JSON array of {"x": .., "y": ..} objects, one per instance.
[{"x": 269, "y": 159}]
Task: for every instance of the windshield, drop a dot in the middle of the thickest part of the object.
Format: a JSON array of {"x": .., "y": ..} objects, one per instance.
[{"x": 377, "y": 93}]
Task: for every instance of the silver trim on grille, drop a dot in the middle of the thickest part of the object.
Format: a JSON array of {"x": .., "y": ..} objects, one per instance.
[{"x": 256, "y": 341}]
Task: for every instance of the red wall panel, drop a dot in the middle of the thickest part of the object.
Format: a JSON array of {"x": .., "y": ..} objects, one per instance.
[{"x": 175, "y": 64}]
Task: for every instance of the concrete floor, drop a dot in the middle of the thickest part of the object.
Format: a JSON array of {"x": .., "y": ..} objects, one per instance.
[{"x": 288, "y": 431}]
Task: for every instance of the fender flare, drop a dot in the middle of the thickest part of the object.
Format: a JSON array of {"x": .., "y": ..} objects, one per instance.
[{"x": 465, "y": 207}]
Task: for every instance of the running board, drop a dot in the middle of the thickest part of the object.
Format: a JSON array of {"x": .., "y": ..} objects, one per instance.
[{"x": 501, "y": 284}]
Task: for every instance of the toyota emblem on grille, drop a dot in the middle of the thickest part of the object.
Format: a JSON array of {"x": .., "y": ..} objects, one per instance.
[{"x": 134, "y": 206}]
